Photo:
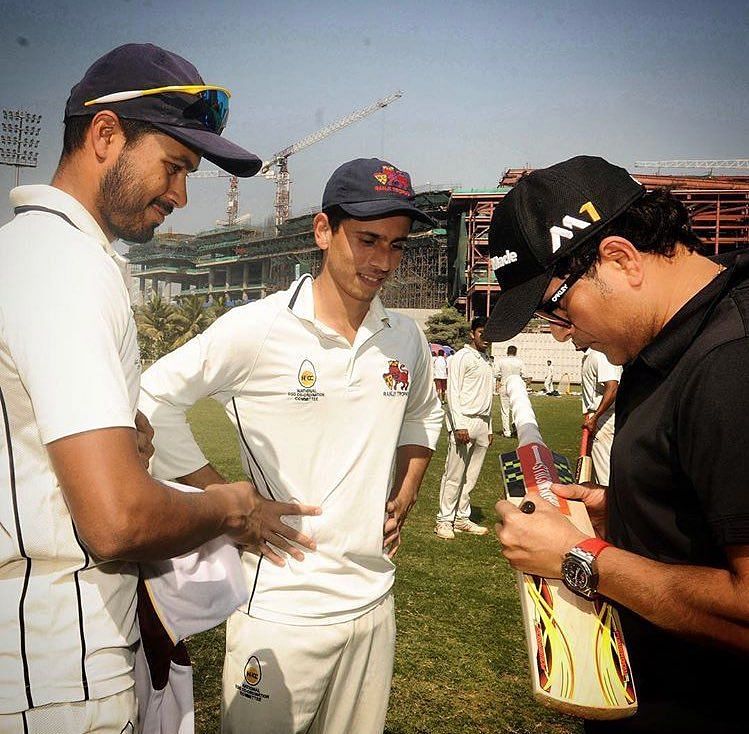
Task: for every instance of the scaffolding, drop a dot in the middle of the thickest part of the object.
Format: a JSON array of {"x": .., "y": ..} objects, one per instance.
[
  {"x": 421, "y": 278},
  {"x": 242, "y": 264},
  {"x": 718, "y": 207}
]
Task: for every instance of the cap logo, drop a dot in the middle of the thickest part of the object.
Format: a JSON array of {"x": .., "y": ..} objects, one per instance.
[
  {"x": 499, "y": 261},
  {"x": 394, "y": 181},
  {"x": 569, "y": 223}
]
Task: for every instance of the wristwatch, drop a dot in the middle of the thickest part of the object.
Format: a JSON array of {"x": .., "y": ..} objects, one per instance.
[{"x": 580, "y": 570}]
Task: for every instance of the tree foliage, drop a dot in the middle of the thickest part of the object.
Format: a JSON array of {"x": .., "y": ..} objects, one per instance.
[
  {"x": 163, "y": 326},
  {"x": 448, "y": 326}
]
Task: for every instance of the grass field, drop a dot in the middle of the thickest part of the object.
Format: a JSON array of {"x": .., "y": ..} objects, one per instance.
[{"x": 460, "y": 662}]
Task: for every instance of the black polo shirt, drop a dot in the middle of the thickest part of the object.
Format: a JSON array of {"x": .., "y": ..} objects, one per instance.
[{"x": 679, "y": 494}]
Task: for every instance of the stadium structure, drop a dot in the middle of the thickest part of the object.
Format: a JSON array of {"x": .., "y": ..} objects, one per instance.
[
  {"x": 240, "y": 264},
  {"x": 446, "y": 264}
]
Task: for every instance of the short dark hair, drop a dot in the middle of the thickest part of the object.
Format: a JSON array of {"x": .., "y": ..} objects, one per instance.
[
  {"x": 654, "y": 224},
  {"x": 478, "y": 323},
  {"x": 512, "y": 350},
  {"x": 336, "y": 216},
  {"x": 77, "y": 126},
  {"x": 441, "y": 353}
]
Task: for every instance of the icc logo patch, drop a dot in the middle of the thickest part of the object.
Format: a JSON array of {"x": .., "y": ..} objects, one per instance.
[
  {"x": 249, "y": 687},
  {"x": 252, "y": 672},
  {"x": 307, "y": 375},
  {"x": 307, "y": 379}
]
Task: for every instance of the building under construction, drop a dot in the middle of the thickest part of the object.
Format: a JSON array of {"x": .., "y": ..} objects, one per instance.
[
  {"x": 448, "y": 263},
  {"x": 718, "y": 207},
  {"x": 240, "y": 264}
]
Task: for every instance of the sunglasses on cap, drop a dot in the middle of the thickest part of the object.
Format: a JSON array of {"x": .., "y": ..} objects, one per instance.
[{"x": 211, "y": 108}]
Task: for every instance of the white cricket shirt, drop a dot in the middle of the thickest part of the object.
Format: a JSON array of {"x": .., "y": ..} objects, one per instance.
[
  {"x": 318, "y": 421},
  {"x": 69, "y": 363},
  {"x": 470, "y": 386},
  {"x": 506, "y": 367},
  {"x": 440, "y": 368},
  {"x": 597, "y": 370}
]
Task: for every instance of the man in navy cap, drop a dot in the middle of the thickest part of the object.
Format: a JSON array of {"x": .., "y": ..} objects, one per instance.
[
  {"x": 613, "y": 267},
  {"x": 334, "y": 405},
  {"x": 77, "y": 503}
]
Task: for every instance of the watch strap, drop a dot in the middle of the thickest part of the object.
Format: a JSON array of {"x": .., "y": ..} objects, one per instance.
[{"x": 594, "y": 546}]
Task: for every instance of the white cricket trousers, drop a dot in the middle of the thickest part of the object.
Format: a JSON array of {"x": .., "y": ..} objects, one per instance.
[
  {"x": 462, "y": 468},
  {"x": 504, "y": 411},
  {"x": 321, "y": 679},
  {"x": 117, "y": 714},
  {"x": 600, "y": 452}
]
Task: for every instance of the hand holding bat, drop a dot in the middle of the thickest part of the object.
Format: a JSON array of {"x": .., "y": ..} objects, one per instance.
[
  {"x": 535, "y": 543},
  {"x": 578, "y": 661}
]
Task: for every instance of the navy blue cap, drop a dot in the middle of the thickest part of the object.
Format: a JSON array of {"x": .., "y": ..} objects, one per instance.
[
  {"x": 145, "y": 66},
  {"x": 369, "y": 187},
  {"x": 548, "y": 214}
]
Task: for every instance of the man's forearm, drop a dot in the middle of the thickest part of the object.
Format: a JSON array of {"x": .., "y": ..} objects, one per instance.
[
  {"x": 694, "y": 601},
  {"x": 410, "y": 466},
  {"x": 203, "y": 477},
  {"x": 608, "y": 398}
]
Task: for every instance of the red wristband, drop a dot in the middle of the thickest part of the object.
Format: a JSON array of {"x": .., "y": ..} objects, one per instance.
[{"x": 594, "y": 546}]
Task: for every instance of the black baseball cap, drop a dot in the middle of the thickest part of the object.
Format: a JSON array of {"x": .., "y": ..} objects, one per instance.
[
  {"x": 547, "y": 215},
  {"x": 189, "y": 118},
  {"x": 369, "y": 187}
]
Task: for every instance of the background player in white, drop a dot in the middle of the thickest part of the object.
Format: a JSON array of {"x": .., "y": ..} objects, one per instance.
[
  {"x": 439, "y": 365},
  {"x": 549, "y": 379},
  {"x": 333, "y": 401},
  {"x": 76, "y": 502},
  {"x": 599, "y": 381},
  {"x": 508, "y": 365},
  {"x": 469, "y": 424}
]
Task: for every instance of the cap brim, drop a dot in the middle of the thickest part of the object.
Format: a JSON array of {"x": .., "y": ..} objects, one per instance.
[
  {"x": 514, "y": 308},
  {"x": 225, "y": 154},
  {"x": 384, "y": 207}
]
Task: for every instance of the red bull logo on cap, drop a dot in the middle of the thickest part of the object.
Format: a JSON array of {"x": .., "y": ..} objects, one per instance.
[{"x": 393, "y": 181}]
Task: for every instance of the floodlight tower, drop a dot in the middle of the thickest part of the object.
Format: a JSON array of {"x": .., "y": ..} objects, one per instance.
[{"x": 19, "y": 140}]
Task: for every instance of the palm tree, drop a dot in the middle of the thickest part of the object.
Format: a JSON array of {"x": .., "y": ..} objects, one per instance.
[
  {"x": 155, "y": 322},
  {"x": 190, "y": 319},
  {"x": 218, "y": 308}
]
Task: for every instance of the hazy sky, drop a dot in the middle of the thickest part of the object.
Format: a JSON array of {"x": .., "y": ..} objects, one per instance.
[{"x": 487, "y": 85}]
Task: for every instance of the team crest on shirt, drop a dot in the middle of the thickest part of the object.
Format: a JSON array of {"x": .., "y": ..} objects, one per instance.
[
  {"x": 253, "y": 674},
  {"x": 396, "y": 378},
  {"x": 306, "y": 381}
]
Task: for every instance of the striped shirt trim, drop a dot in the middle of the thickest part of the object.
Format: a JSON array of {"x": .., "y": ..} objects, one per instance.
[
  {"x": 255, "y": 463},
  {"x": 22, "y": 551},
  {"x": 47, "y": 210},
  {"x": 303, "y": 280},
  {"x": 250, "y": 455},
  {"x": 79, "y": 602}
]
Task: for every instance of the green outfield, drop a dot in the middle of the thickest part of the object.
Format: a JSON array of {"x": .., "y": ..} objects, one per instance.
[{"x": 460, "y": 663}]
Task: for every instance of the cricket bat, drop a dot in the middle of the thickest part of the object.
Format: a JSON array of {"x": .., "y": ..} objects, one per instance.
[
  {"x": 578, "y": 660},
  {"x": 584, "y": 469}
]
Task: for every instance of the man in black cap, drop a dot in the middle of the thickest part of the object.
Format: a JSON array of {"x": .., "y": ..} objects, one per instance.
[
  {"x": 334, "y": 404},
  {"x": 78, "y": 504},
  {"x": 616, "y": 268}
]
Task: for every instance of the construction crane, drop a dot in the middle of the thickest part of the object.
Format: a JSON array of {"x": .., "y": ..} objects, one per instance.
[
  {"x": 280, "y": 161},
  {"x": 706, "y": 163},
  {"x": 232, "y": 197}
]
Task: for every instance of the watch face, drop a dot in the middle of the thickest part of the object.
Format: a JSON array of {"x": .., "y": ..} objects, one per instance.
[
  {"x": 579, "y": 576},
  {"x": 576, "y": 576}
]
